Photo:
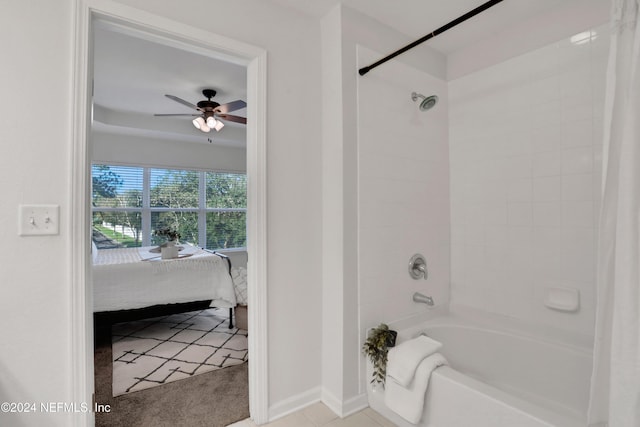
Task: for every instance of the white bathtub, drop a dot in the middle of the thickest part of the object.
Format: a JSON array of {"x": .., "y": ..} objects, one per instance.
[{"x": 500, "y": 376}]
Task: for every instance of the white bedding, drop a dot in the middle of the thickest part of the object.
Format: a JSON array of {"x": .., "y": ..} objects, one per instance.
[{"x": 131, "y": 278}]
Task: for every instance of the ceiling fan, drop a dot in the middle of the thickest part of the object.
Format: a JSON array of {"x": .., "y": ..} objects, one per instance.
[{"x": 210, "y": 112}]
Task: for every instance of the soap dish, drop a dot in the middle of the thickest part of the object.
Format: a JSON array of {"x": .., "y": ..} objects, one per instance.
[{"x": 562, "y": 299}]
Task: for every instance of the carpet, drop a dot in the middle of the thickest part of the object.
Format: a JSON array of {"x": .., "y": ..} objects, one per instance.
[
  {"x": 214, "y": 399},
  {"x": 151, "y": 352}
]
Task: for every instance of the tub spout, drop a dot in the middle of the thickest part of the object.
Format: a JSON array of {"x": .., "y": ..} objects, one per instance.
[{"x": 418, "y": 297}]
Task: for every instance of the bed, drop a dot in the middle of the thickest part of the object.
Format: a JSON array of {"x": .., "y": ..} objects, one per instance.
[{"x": 134, "y": 278}]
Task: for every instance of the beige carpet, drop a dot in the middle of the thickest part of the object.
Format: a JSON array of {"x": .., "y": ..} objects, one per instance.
[{"x": 151, "y": 352}]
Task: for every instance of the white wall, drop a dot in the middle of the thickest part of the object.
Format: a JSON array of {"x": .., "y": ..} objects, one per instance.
[
  {"x": 344, "y": 31},
  {"x": 403, "y": 193},
  {"x": 35, "y": 360},
  {"x": 136, "y": 150},
  {"x": 34, "y": 168},
  {"x": 525, "y": 139},
  {"x": 518, "y": 37}
]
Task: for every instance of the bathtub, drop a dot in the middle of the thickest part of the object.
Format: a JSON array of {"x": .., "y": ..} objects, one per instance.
[{"x": 500, "y": 375}]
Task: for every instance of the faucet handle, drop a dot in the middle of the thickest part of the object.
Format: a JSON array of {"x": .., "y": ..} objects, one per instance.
[{"x": 418, "y": 267}]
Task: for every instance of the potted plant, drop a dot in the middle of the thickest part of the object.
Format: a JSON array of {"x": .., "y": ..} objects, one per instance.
[
  {"x": 169, "y": 249},
  {"x": 170, "y": 233},
  {"x": 376, "y": 348}
]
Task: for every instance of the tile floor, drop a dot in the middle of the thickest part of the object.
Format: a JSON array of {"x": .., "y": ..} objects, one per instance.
[{"x": 318, "y": 415}]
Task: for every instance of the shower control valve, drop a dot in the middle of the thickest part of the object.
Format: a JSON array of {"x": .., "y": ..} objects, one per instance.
[{"x": 418, "y": 267}]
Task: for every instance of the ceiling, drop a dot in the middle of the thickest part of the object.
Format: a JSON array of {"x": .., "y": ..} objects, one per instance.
[
  {"x": 130, "y": 84},
  {"x": 416, "y": 18}
]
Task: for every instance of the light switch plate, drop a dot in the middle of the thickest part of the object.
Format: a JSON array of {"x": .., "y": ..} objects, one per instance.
[{"x": 38, "y": 220}]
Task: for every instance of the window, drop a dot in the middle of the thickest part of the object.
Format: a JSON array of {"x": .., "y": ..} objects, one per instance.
[{"x": 207, "y": 208}]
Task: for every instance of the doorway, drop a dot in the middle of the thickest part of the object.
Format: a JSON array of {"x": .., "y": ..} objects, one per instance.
[{"x": 176, "y": 35}]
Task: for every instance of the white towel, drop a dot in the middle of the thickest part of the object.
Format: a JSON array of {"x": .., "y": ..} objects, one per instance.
[
  {"x": 408, "y": 402},
  {"x": 403, "y": 359}
]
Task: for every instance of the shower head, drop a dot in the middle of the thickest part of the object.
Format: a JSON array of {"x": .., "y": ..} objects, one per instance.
[{"x": 427, "y": 103}]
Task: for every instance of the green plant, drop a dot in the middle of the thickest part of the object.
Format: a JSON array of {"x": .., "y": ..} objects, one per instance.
[
  {"x": 376, "y": 348},
  {"x": 169, "y": 232}
]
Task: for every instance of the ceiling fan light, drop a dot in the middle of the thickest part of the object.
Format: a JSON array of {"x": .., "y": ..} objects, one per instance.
[
  {"x": 211, "y": 122},
  {"x": 198, "y": 122},
  {"x": 219, "y": 125}
]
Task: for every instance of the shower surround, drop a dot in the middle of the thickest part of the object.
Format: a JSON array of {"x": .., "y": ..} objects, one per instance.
[
  {"x": 525, "y": 149},
  {"x": 498, "y": 186},
  {"x": 403, "y": 191}
]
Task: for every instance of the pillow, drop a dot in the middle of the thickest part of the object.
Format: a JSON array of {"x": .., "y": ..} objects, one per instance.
[
  {"x": 239, "y": 277},
  {"x": 94, "y": 251}
]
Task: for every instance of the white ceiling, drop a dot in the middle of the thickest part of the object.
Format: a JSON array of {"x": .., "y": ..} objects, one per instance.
[
  {"x": 130, "y": 83},
  {"x": 416, "y": 18},
  {"x": 130, "y": 86}
]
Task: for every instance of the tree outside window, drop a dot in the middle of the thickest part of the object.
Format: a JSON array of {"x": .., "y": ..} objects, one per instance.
[{"x": 207, "y": 208}]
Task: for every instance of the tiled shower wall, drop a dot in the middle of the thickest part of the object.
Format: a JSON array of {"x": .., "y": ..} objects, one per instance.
[
  {"x": 525, "y": 155},
  {"x": 403, "y": 191}
]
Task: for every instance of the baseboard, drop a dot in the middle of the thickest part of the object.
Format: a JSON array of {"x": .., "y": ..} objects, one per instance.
[
  {"x": 346, "y": 408},
  {"x": 294, "y": 403},
  {"x": 355, "y": 404},
  {"x": 332, "y": 402},
  {"x": 314, "y": 395}
]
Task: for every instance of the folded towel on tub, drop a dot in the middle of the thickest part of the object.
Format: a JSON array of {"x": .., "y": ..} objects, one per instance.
[
  {"x": 403, "y": 359},
  {"x": 408, "y": 402}
]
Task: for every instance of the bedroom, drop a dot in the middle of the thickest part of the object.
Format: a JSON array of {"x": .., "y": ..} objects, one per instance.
[{"x": 153, "y": 170}]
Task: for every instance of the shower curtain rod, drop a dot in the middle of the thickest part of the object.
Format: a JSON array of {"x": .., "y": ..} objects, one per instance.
[{"x": 471, "y": 14}]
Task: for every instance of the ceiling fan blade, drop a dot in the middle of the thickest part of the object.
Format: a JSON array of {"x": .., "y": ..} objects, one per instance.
[
  {"x": 182, "y": 101},
  {"x": 231, "y": 106},
  {"x": 167, "y": 115},
  {"x": 231, "y": 118}
]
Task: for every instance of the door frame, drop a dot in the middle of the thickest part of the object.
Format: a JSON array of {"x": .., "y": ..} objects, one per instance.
[{"x": 185, "y": 37}]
